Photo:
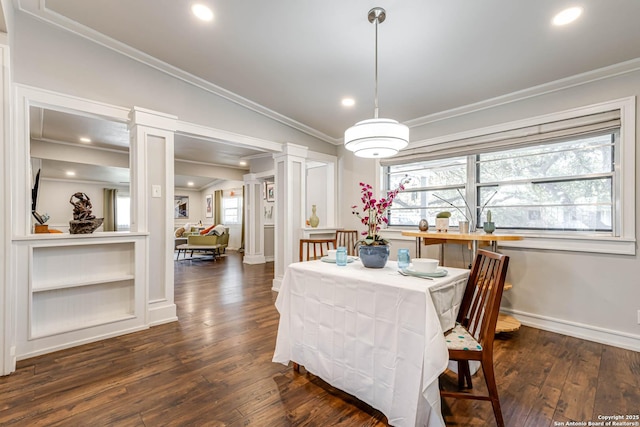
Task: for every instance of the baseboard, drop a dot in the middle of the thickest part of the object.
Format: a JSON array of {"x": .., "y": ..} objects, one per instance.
[
  {"x": 161, "y": 314},
  {"x": 79, "y": 342},
  {"x": 269, "y": 258},
  {"x": 275, "y": 285},
  {"x": 578, "y": 330},
  {"x": 253, "y": 259}
]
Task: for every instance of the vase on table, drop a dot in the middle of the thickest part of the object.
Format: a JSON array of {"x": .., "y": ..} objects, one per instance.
[
  {"x": 313, "y": 219},
  {"x": 488, "y": 227},
  {"x": 373, "y": 256}
]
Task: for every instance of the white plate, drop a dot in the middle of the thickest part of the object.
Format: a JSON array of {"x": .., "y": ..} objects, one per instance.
[
  {"x": 440, "y": 272},
  {"x": 333, "y": 260}
]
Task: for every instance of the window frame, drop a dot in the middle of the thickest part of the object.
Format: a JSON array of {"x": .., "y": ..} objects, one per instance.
[
  {"x": 238, "y": 207},
  {"x": 621, "y": 240}
]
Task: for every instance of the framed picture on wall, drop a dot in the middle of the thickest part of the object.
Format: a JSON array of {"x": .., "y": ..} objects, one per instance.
[
  {"x": 209, "y": 208},
  {"x": 271, "y": 192},
  {"x": 181, "y": 207}
]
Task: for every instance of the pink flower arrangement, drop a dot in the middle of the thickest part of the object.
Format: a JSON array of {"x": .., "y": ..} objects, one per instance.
[{"x": 374, "y": 212}]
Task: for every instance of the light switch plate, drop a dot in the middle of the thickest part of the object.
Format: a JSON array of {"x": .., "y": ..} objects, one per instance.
[{"x": 156, "y": 191}]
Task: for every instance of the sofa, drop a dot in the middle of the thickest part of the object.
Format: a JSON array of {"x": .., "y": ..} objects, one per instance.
[{"x": 210, "y": 240}]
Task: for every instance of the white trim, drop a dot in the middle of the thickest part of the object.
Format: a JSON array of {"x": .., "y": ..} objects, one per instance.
[
  {"x": 590, "y": 244},
  {"x": 225, "y": 137},
  {"x": 254, "y": 259},
  {"x": 7, "y": 291},
  {"x": 159, "y": 314},
  {"x": 625, "y": 105},
  {"x": 75, "y": 343},
  {"x": 609, "y": 245},
  {"x": 532, "y": 92},
  {"x": 577, "y": 330},
  {"x": 276, "y": 284}
]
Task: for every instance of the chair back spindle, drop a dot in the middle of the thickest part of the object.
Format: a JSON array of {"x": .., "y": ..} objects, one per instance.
[
  {"x": 348, "y": 239},
  {"x": 312, "y": 249}
]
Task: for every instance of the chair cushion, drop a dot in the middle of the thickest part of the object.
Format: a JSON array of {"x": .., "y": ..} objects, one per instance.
[{"x": 460, "y": 339}]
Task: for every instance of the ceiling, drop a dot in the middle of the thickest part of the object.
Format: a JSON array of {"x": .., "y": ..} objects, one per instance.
[
  {"x": 65, "y": 129},
  {"x": 297, "y": 59}
]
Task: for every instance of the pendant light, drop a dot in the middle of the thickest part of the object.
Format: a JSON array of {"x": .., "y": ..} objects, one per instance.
[{"x": 376, "y": 138}]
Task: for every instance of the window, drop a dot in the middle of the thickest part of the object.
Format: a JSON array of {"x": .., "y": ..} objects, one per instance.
[
  {"x": 563, "y": 186},
  {"x": 566, "y": 185},
  {"x": 123, "y": 212},
  {"x": 433, "y": 184},
  {"x": 232, "y": 210},
  {"x": 565, "y": 180}
]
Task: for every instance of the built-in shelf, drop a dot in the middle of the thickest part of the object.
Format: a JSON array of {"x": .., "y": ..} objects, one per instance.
[
  {"x": 81, "y": 288},
  {"x": 97, "y": 281}
]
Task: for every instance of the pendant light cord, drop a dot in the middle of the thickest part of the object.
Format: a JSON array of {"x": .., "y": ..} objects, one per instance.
[{"x": 375, "y": 111}]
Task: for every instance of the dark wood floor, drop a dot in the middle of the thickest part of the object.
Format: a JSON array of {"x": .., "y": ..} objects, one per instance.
[{"x": 213, "y": 368}]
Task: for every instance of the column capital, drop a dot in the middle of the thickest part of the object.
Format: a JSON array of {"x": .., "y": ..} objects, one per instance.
[
  {"x": 289, "y": 149},
  {"x": 251, "y": 178},
  {"x": 154, "y": 119}
]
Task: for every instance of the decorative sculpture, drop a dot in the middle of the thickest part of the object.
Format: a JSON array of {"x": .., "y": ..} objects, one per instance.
[{"x": 83, "y": 221}]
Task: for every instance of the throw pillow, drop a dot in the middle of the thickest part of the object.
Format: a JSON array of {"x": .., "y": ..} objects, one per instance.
[
  {"x": 206, "y": 230},
  {"x": 180, "y": 232}
]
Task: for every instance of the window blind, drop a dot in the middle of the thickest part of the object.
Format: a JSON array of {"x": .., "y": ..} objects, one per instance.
[{"x": 514, "y": 138}]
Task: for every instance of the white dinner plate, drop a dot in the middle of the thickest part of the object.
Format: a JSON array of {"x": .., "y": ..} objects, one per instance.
[
  {"x": 440, "y": 272},
  {"x": 333, "y": 260}
]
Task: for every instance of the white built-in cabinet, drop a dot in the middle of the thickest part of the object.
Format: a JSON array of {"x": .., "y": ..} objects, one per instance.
[{"x": 79, "y": 288}]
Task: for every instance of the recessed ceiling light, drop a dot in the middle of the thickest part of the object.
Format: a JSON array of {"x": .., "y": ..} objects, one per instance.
[
  {"x": 202, "y": 12},
  {"x": 190, "y": 183},
  {"x": 71, "y": 173},
  {"x": 85, "y": 139},
  {"x": 243, "y": 163},
  {"x": 567, "y": 16},
  {"x": 348, "y": 102}
]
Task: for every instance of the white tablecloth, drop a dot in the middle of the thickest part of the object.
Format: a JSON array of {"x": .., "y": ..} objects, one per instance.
[{"x": 371, "y": 332}]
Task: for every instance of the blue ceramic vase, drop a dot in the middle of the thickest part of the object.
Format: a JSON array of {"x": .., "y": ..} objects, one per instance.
[{"x": 374, "y": 256}]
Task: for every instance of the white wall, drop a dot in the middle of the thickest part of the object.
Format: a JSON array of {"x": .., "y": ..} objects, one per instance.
[
  {"x": 54, "y": 195},
  {"x": 317, "y": 193},
  {"x": 593, "y": 296}
]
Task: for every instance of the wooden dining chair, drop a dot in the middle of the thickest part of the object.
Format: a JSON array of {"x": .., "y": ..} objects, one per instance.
[
  {"x": 311, "y": 249},
  {"x": 348, "y": 239},
  {"x": 472, "y": 337}
]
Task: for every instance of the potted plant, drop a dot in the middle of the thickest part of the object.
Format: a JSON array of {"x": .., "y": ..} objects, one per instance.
[
  {"x": 373, "y": 250},
  {"x": 489, "y": 227},
  {"x": 442, "y": 221}
]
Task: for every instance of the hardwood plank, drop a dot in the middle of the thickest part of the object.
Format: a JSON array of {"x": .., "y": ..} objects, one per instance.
[{"x": 578, "y": 393}]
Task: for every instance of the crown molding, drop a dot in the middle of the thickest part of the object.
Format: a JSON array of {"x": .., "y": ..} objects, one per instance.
[
  {"x": 532, "y": 92},
  {"x": 46, "y": 15}
]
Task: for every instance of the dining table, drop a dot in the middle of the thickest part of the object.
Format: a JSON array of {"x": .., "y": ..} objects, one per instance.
[{"x": 375, "y": 333}]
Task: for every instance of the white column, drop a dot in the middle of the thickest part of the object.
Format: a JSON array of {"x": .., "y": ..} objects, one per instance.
[
  {"x": 7, "y": 293},
  {"x": 290, "y": 177},
  {"x": 253, "y": 221},
  {"x": 151, "y": 161}
]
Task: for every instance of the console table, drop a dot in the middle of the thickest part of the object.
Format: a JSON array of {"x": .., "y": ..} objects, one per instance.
[{"x": 440, "y": 238}]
